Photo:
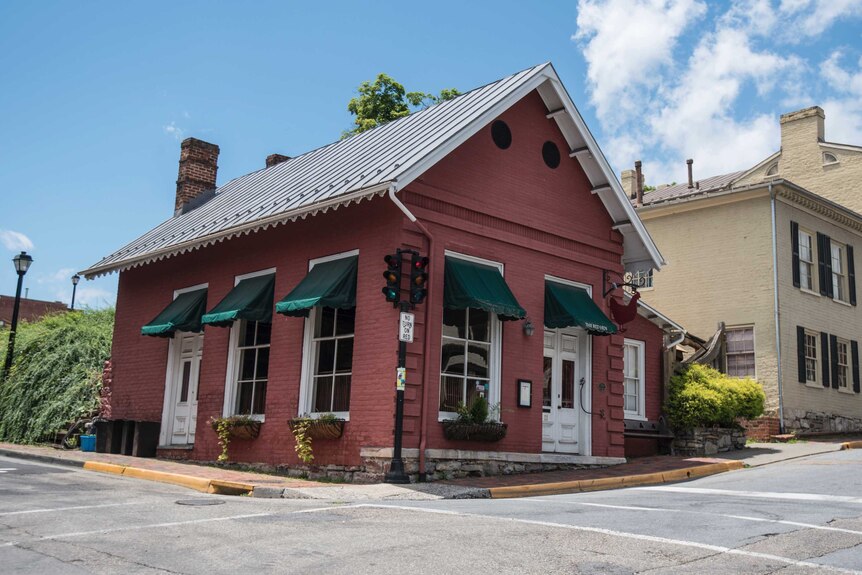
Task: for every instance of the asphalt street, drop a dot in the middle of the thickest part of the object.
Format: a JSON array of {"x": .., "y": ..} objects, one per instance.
[{"x": 799, "y": 516}]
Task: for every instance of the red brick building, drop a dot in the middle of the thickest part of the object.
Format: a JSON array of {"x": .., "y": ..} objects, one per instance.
[
  {"x": 29, "y": 310},
  {"x": 506, "y": 192}
]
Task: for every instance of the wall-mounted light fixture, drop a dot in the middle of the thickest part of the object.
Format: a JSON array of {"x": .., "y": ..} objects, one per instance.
[{"x": 529, "y": 328}]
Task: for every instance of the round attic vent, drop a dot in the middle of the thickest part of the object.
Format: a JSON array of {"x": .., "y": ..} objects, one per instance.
[
  {"x": 501, "y": 134},
  {"x": 551, "y": 155}
]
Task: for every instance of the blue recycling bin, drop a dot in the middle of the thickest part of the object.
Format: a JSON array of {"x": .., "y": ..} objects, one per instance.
[{"x": 88, "y": 442}]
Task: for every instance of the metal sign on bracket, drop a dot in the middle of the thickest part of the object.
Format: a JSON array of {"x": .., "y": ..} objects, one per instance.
[{"x": 405, "y": 327}]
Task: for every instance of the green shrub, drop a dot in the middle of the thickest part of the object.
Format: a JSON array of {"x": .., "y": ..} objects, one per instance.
[
  {"x": 56, "y": 373},
  {"x": 701, "y": 396}
]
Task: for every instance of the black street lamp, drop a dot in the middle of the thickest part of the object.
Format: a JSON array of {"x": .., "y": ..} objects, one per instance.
[
  {"x": 75, "y": 279},
  {"x": 22, "y": 263}
]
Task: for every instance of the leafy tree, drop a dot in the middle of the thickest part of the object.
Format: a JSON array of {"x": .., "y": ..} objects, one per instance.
[
  {"x": 56, "y": 374},
  {"x": 385, "y": 100}
]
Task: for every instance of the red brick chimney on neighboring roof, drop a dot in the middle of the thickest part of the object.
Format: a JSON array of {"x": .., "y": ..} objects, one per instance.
[{"x": 198, "y": 169}]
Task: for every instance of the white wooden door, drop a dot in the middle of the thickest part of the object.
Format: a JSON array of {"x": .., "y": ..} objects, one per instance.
[
  {"x": 184, "y": 388},
  {"x": 560, "y": 403}
]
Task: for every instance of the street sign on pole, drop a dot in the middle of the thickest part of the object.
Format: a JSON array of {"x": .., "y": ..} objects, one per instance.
[{"x": 405, "y": 329}]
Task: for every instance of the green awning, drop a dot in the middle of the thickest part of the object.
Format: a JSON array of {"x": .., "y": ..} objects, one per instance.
[
  {"x": 328, "y": 284},
  {"x": 250, "y": 299},
  {"x": 182, "y": 314},
  {"x": 569, "y": 306},
  {"x": 468, "y": 284}
]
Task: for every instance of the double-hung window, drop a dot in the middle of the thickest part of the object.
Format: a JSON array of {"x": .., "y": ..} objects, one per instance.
[
  {"x": 466, "y": 356},
  {"x": 253, "y": 365},
  {"x": 842, "y": 362},
  {"x": 633, "y": 379},
  {"x": 332, "y": 354},
  {"x": 806, "y": 260},
  {"x": 810, "y": 351},
  {"x": 839, "y": 277},
  {"x": 740, "y": 352}
]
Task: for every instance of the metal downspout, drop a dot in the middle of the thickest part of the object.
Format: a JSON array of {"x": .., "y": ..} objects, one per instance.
[
  {"x": 426, "y": 364},
  {"x": 777, "y": 315}
]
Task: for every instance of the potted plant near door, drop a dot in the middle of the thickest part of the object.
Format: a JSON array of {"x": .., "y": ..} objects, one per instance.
[{"x": 474, "y": 424}]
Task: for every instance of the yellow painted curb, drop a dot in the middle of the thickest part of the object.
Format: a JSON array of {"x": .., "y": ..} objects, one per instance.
[
  {"x": 614, "y": 482},
  {"x": 229, "y": 487},
  {"x": 851, "y": 445},
  {"x": 195, "y": 483},
  {"x": 104, "y": 467}
]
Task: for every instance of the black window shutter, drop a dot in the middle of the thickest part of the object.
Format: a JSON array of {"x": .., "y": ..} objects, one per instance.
[
  {"x": 851, "y": 274},
  {"x": 794, "y": 241},
  {"x": 827, "y": 258},
  {"x": 821, "y": 265},
  {"x": 824, "y": 360},
  {"x": 833, "y": 351},
  {"x": 800, "y": 353},
  {"x": 854, "y": 349}
]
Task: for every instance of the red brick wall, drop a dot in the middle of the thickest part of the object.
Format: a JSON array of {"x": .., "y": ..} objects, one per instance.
[{"x": 29, "y": 309}]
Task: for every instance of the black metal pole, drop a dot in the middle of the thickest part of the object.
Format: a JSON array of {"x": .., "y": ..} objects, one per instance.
[
  {"x": 74, "y": 288},
  {"x": 11, "y": 347},
  {"x": 396, "y": 468}
]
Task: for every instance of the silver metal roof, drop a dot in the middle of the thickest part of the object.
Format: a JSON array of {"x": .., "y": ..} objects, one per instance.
[
  {"x": 369, "y": 164},
  {"x": 681, "y": 191}
]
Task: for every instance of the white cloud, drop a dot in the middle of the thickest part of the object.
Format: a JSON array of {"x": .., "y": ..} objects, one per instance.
[
  {"x": 844, "y": 109},
  {"x": 63, "y": 275},
  {"x": 173, "y": 130},
  {"x": 93, "y": 297},
  {"x": 15, "y": 241},
  {"x": 823, "y": 15}
]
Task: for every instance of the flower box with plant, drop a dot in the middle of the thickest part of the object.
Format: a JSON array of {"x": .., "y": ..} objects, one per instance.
[
  {"x": 233, "y": 427},
  {"x": 474, "y": 424},
  {"x": 306, "y": 428}
]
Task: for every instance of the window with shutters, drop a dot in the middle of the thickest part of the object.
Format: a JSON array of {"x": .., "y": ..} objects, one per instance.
[
  {"x": 740, "y": 351},
  {"x": 843, "y": 363},
  {"x": 811, "y": 371},
  {"x": 806, "y": 260},
  {"x": 839, "y": 276}
]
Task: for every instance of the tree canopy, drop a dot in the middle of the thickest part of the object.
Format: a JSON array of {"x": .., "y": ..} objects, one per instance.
[{"x": 385, "y": 100}]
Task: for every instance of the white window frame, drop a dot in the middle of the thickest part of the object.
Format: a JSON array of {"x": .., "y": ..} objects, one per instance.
[
  {"x": 812, "y": 287},
  {"x": 173, "y": 350},
  {"x": 306, "y": 383},
  {"x": 818, "y": 357},
  {"x": 640, "y": 346},
  {"x": 496, "y": 330},
  {"x": 232, "y": 371},
  {"x": 753, "y": 343},
  {"x": 839, "y": 278},
  {"x": 845, "y": 367}
]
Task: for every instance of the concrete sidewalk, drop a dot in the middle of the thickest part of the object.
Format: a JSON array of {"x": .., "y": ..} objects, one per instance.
[{"x": 641, "y": 471}]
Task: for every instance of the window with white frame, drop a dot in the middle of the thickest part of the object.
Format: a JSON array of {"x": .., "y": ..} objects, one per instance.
[
  {"x": 806, "y": 260},
  {"x": 467, "y": 348},
  {"x": 332, "y": 359},
  {"x": 252, "y": 367},
  {"x": 839, "y": 278},
  {"x": 842, "y": 348},
  {"x": 634, "y": 383},
  {"x": 811, "y": 342},
  {"x": 740, "y": 351}
]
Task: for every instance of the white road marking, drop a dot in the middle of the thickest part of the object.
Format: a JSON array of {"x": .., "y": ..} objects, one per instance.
[
  {"x": 6, "y": 469},
  {"x": 626, "y": 535},
  {"x": 44, "y": 510},
  {"x": 131, "y": 528},
  {"x": 755, "y": 494},
  {"x": 670, "y": 510}
]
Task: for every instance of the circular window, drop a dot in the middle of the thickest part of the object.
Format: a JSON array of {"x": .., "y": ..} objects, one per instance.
[
  {"x": 551, "y": 155},
  {"x": 501, "y": 134}
]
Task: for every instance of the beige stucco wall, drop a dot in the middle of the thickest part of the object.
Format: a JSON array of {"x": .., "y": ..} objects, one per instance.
[
  {"x": 815, "y": 312},
  {"x": 719, "y": 268}
]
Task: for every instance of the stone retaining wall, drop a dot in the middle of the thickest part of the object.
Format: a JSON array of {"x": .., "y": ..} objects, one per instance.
[{"x": 708, "y": 441}]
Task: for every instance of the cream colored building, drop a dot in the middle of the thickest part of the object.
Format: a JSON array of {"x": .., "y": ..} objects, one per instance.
[{"x": 770, "y": 253}]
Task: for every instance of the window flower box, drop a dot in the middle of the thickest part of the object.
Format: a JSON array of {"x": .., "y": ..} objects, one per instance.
[
  {"x": 323, "y": 428},
  {"x": 238, "y": 426},
  {"x": 489, "y": 431}
]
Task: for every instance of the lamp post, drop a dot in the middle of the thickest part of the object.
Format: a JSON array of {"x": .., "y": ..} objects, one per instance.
[
  {"x": 22, "y": 263},
  {"x": 75, "y": 279}
]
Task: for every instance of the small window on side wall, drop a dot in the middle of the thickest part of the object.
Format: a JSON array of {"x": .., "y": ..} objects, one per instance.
[
  {"x": 772, "y": 170},
  {"x": 740, "y": 352},
  {"x": 829, "y": 158},
  {"x": 634, "y": 380}
]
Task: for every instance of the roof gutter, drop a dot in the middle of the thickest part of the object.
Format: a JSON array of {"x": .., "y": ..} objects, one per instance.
[{"x": 426, "y": 334}]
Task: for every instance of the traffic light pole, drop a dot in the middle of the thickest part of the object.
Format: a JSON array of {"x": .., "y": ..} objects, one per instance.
[{"x": 396, "y": 472}]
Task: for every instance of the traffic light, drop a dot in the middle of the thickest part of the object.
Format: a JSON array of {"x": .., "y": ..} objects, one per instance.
[
  {"x": 392, "y": 291},
  {"x": 418, "y": 278}
]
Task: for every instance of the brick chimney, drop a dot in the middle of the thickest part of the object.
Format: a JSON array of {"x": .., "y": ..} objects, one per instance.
[
  {"x": 273, "y": 159},
  {"x": 629, "y": 183},
  {"x": 198, "y": 169}
]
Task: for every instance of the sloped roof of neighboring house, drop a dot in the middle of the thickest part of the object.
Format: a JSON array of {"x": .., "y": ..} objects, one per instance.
[
  {"x": 374, "y": 162},
  {"x": 682, "y": 191}
]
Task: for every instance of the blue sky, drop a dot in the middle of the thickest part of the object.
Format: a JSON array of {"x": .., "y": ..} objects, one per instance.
[{"x": 97, "y": 96}]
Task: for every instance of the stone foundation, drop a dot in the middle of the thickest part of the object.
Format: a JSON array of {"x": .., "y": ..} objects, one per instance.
[
  {"x": 800, "y": 421},
  {"x": 440, "y": 464},
  {"x": 708, "y": 441}
]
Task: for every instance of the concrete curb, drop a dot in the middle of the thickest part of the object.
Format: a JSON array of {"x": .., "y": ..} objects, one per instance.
[
  {"x": 42, "y": 458},
  {"x": 851, "y": 445},
  {"x": 613, "y": 482}
]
